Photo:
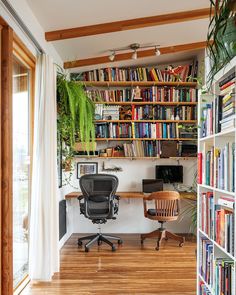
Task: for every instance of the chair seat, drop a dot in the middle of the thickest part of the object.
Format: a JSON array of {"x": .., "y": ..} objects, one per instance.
[
  {"x": 98, "y": 208},
  {"x": 160, "y": 212}
]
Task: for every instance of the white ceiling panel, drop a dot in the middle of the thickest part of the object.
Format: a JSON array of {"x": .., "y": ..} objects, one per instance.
[{"x": 61, "y": 14}]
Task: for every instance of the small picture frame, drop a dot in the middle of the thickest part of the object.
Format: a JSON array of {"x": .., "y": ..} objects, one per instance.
[{"x": 84, "y": 168}]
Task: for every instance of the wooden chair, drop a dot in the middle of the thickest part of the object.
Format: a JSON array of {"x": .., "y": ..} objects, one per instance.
[{"x": 166, "y": 209}]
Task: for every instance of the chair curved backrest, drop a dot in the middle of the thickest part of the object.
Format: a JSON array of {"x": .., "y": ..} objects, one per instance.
[
  {"x": 98, "y": 191},
  {"x": 166, "y": 205}
]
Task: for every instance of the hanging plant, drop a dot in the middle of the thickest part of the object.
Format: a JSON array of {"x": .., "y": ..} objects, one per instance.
[
  {"x": 221, "y": 41},
  {"x": 75, "y": 115}
]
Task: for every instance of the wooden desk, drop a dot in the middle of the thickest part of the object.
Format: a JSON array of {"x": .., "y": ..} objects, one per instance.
[{"x": 133, "y": 195}]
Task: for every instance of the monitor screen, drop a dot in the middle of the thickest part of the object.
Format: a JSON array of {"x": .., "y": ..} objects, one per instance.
[
  {"x": 152, "y": 185},
  {"x": 170, "y": 173}
]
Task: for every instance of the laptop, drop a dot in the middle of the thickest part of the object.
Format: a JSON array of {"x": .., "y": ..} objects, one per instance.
[{"x": 152, "y": 185}]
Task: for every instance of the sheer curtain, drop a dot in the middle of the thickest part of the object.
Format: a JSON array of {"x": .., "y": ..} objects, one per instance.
[{"x": 44, "y": 247}]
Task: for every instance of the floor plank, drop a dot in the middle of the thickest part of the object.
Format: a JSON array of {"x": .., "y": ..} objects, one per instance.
[{"x": 132, "y": 269}]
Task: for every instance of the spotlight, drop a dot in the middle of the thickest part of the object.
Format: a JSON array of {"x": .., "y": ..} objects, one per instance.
[
  {"x": 157, "y": 51},
  {"x": 134, "y": 55},
  {"x": 112, "y": 56}
]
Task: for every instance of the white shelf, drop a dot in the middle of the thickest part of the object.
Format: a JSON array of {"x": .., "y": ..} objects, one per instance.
[{"x": 205, "y": 144}]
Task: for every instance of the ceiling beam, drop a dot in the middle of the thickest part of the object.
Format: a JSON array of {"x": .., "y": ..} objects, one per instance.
[
  {"x": 128, "y": 55},
  {"x": 130, "y": 24}
]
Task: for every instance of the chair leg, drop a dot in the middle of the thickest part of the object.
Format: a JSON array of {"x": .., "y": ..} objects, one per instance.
[
  {"x": 175, "y": 237},
  {"x": 113, "y": 238},
  {"x": 91, "y": 242},
  {"x": 87, "y": 238},
  {"x": 153, "y": 234},
  {"x": 102, "y": 238},
  {"x": 161, "y": 237}
]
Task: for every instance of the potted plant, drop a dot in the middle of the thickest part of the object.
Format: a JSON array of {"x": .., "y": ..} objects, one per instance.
[{"x": 221, "y": 41}]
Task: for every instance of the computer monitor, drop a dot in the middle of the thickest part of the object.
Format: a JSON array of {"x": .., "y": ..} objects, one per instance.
[
  {"x": 170, "y": 173},
  {"x": 152, "y": 185}
]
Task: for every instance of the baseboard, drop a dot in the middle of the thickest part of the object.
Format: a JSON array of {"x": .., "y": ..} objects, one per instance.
[{"x": 64, "y": 239}]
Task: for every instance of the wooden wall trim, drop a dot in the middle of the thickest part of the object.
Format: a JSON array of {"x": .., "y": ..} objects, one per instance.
[
  {"x": 141, "y": 53},
  {"x": 6, "y": 161},
  {"x": 130, "y": 24}
]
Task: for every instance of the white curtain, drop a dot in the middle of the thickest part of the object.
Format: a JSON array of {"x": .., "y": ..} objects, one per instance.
[{"x": 44, "y": 247}]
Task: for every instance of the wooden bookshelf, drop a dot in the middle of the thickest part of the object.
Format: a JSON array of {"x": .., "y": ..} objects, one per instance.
[
  {"x": 163, "y": 103},
  {"x": 153, "y": 139},
  {"x": 137, "y": 83},
  {"x": 147, "y": 121},
  {"x": 135, "y": 158}
]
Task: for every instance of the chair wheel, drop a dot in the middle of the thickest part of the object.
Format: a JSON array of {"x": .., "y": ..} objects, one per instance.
[
  {"x": 113, "y": 248},
  {"x": 157, "y": 248},
  {"x": 120, "y": 242},
  {"x": 86, "y": 249},
  {"x": 99, "y": 242},
  {"x": 181, "y": 244},
  {"x": 80, "y": 243}
]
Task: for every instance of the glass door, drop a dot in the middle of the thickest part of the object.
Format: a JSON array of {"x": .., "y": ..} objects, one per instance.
[{"x": 21, "y": 169}]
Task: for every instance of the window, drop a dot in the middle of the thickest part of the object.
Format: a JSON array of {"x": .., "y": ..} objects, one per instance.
[{"x": 22, "y": 139}]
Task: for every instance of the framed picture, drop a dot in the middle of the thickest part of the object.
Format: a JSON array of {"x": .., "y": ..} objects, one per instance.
[{"x": 84, "y": 168}]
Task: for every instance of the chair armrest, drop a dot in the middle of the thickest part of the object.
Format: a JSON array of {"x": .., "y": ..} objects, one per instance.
[
  {"x": 80, "y": 198},
  {"x": 116, "y": 197}
]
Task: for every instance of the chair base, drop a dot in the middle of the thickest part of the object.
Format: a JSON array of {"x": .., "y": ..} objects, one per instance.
[
  {"x": 99, "y": 238},
  {"x": 163, "y": 234}
]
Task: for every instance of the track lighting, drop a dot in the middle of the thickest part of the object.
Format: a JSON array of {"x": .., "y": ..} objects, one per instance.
[
  {"x": 157, "y": 51},
  {"x": 112, "y": 56},
  {"x": 134, "y": 47}
]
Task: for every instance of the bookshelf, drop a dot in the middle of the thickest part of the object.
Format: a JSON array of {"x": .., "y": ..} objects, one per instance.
[
  {"x": 165, "y": 110},
  {"x": 216, "y": 234}
]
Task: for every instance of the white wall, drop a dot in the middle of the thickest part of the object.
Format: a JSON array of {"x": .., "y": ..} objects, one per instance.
[{"x": 130, "y": 218}]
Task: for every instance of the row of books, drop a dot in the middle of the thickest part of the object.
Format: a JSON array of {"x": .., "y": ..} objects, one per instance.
[
  {"x": 225, "y": 171},
  {"x": 142, "y": 149},
  {"x": 206, "y": 209},
  {"x": 207, "y": 120},
  {"x": 142, "y": 130},
  {"x": 181, "y": 73},
  {"x": 206, "y": 261},
  {"x": 224, "y": 277},
  {"x": 158, "y": 112},
  {"x": 224, "y": 228},
  {"x": 152, "y": 94},
  {"x": 209, "y": 167}
]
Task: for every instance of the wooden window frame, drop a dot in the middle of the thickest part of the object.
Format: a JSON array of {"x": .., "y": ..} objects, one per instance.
[{"x": 10, "y": 46}]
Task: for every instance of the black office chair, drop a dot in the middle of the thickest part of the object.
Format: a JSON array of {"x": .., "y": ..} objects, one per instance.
[{"x": 99, "y": 203}]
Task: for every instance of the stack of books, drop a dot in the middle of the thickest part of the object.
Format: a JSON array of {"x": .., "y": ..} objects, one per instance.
[
  {"x": 224, "y": 228},
  {"x": 203, "y": 290},
  {"x": 185, "y": 73},
  {"x": 107, "y": 112},
  {"x": 206, "y": 260},
  {"x": 225, "y": 172},
  {"x": 225, "y": 104},
  {"x": 207, "y": 214},
  {"x": 224, "y": 277},
  {"x": 113, "y": 130},
  {"x": 207, "y": 120}
]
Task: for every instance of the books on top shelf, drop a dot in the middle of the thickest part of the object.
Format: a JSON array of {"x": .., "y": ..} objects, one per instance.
[
  {"x": 225, "y": 172},
  {"x": 206, "y": 262},
  {"x": 224, "y": 228},
  {"x": 151, "y": 94},
  {"x": 224, "y": 277},
  {"x": 206, "y": 220},
  {"x": 183, "y": 73}
]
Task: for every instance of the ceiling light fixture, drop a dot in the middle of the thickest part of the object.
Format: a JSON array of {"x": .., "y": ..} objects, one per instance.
[
  {"x": 112, "y": 56},
  {"x": 135, "y": 47}
]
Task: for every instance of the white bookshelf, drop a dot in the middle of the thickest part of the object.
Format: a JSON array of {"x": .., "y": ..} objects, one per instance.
[{"x": 218, "y": 141}]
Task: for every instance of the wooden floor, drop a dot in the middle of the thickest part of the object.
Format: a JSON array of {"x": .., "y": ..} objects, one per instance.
[{"x": 132, "y": 269}]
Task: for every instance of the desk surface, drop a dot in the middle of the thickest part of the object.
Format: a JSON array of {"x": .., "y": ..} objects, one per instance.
[{"x": 132, "y": 195}]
